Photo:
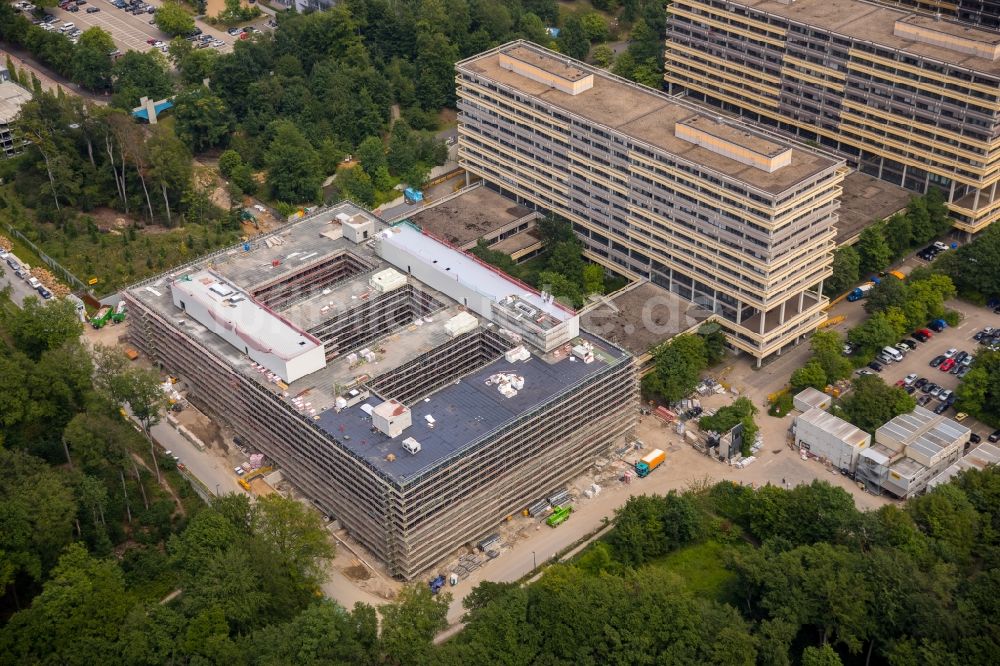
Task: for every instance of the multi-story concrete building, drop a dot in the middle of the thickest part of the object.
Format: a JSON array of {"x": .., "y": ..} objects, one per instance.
[
  {"x": 412, "y": 392},
  {"x": 729, "y": 218},
  {"x": 12, "y": 98},
  {"x": 907, "y": 98}
]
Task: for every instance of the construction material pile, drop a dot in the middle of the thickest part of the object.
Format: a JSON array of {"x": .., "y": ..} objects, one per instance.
[{"x": 49, "y": 280}]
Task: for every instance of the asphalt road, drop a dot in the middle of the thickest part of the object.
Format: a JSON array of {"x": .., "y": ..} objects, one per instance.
[
  {"x": 209, "y": 468},
  {"x": 19, "y": 288}
]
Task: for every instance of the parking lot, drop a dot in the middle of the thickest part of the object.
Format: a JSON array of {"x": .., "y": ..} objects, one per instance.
[
  {"x": 129, "y": 31},
  {"x": 959, "y": 337}
]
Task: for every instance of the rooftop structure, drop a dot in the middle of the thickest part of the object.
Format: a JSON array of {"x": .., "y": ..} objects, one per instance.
[
  {"x": 724, "y": 215},
  {"x": 473, "y": 213},
  {"x": 411, "y": 391},
  {"x": 909, "y": 98},
  {"x": 978, "y": 12}
]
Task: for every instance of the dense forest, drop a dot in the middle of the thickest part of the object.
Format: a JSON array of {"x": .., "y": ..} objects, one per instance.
[{"x": 101, "y": 562}]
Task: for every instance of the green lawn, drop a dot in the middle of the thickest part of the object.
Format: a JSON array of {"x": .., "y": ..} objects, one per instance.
[{"x": 701, "y": 568}]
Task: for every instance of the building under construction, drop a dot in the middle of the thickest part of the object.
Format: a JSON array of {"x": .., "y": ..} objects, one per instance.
[{"x": 411, "y": 391}]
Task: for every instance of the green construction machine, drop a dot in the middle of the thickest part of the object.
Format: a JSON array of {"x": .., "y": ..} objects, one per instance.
[
  {"x": 560, "y": 515},
  {"x": 107, "y": 315}
]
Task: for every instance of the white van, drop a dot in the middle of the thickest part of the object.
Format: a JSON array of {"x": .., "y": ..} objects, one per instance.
[
  {"x": 34, "y": 282},
  {"x": 893, "y": 353}
]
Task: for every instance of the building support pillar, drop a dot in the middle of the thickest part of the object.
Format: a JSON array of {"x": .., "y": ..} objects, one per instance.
[
  {"x": 781, "y": 311},
  {"x": 951, "y": 192},
  {"x": 975, "y": 200},
  {"x": 739, "y": 313}
]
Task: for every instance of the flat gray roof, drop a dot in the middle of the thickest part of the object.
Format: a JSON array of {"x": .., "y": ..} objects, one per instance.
[
  {"x": 979, "y": 458},
  {"x": 923, "y": 431},
  {"x": 12, "y": 98},
  {"x": 464, "y": 411},
  {"x": 473, "y": 214},
  {"x": 836, "y": 426},
  {"x": 641, "y": 317},
  {"x": 649, "y": 116},
  {"x": 866, "y": 199},
  {"x": 876, "y": 23}
]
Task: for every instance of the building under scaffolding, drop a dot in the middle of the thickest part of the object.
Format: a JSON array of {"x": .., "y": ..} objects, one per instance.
[{"x": 414, "y": 393}]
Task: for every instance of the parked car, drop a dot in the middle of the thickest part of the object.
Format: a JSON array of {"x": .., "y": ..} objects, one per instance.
[
  {"x": 876, "y": 366},
  {"x": 44, "y": 293},
  {"x": 923, "y": 335},
  {"x": 939, "y": 246},
  {"x": 994, "y": 436},
  {"x": 937, "y": 360},
  {"x": 847, "y": 349},
  {"x": 947, "y": 365},
  {"x": 911, "y": 342},
  {"x": 928, "y": 387},
  {"x": 945, "y": 394},
  {"x": 950, "y": 352},
  {"x": 910, "y": 378},
  {"x": 961, "y": 356},
  {"x": 937, "y": 325},
  {"x": 232, "y": 32},
  {"x": 941, "y": 408},
  {"x": 864, "y": 371},
  {"x": 936, "y": 391},
  {"x": 920, "y": 383},
  {"x": 93, "y": 10},
  {"x": 923, "y": 400},
  {"x": 910, "y": 390},
  {"x": 975, "y": 439}
]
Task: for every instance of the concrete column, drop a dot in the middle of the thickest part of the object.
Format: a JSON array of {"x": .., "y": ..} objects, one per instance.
[
  {"x": 975, "y": 200},
  {"x": 466, "y": 178},
  {"x": 781, "y": 312},
  {"x": 993, "y": 192},
  {"x": 819, "y": 291},
  {"x": 739, "y": 313},
  {"x": 951, "y": 192},
  {"x": 802, "y": 296},
  {"x": 763, "y": 317}
]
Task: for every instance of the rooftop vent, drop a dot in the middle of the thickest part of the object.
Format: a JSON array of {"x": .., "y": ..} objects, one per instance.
[
  {"x": 561, "y": 74},
  {"x": 736, "y": 144},
  {"x": 391, "y": 417},
  {"x": 411, "y": 446}
]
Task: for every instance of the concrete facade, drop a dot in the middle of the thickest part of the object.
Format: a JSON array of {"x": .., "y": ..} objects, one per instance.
[
  {"x": 483, "y": 424},
  {"x": 905, "y": 97},
  {"x": 728, "y": 218}
]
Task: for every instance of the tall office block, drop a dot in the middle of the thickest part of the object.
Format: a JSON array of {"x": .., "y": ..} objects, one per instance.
[
  {"x": 909, "y": 98},
  {"x": 727, "y": 217}
]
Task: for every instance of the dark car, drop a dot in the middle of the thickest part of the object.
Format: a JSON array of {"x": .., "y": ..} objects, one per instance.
[
  {"x": 911, "y": 342},
  {"x": 941, "y": 407},
  {"x": 937, "y": 360},
  {"x": 909, "y": 389},
  {"x": 93, "y": 10},
  {"x": 928, "y": 387},
  {"x": 876, "y": 366},
  {"x": 923, "y": 400},
  {"x": 920, "y": 336},
  {"x": 975, "y": 439},
  {"x": 937, "y": 325},
  {"x": 960, "y": 356},
  {"x": 963, "y": 371},
  {"x": 920, "y": 383},
  {"x": 994, "y": 436}
]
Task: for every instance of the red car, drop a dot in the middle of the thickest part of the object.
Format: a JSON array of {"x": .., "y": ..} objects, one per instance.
[
  {"x": 927, "y": 332},
  {"x": 947, "y": 365}
]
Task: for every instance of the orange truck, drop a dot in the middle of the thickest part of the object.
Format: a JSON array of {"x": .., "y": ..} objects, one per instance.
[{"x": 649, "y": 462}]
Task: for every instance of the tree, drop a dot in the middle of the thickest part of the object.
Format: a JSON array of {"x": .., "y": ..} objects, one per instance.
[
  {"x": 435, "y": 62},
  {"x": 975, "y": 267},
  {"x": 979, "y": 392},
  {"x": 573, "y": 39},
  {"x": 76, "y": 618},
  {"x": 92, "y": 59},
  {"x": 873, "y": 250},
  {"x": 169, "y": 167},
  {"x": 136, "y": 75},
  {"x": 293, "y": 167},
  {"x": 603, "y": 56},
  {"x": 371, "y": 155},
  {"x": 898, "y": 232},
  {"x": 846, "y": 271},
  {"x": 594, "y": 27},
  {"x": 356, "y": 185},
  {"x": 203, "y": 119},
  {"x": 561, "y": 287},
  {"x": 872, "y": 403},
  {"x": 809, "y": 375},
  {"x": 593, "y": 279},
  {"x": 295, "y": 533},
  {"x": 826, "y": 347},
  {"x": 889, "y": 292},
  {"x": 146, "y": 399},
  {"x": 173, "y": 19},
  {"x": 410, "y": 624},
  {"x": 39, "y": 327},
  {"x": 677, "y": 367},
  {"x": 879, "y": 330},
  {"x": 824, "y": 655},
  {"x": 947, "y": 516}
]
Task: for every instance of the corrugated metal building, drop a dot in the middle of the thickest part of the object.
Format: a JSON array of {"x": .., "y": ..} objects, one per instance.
[
  {"x": 830, "y": 438},
  {"x": 811, "y": 398}
]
